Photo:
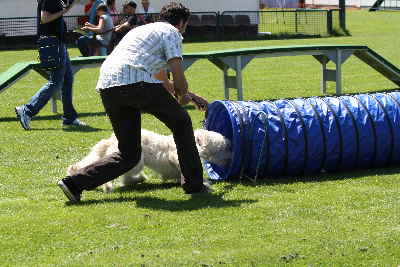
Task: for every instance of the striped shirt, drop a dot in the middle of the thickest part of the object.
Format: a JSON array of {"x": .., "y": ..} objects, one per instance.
[{"x": 144, "y": 51}]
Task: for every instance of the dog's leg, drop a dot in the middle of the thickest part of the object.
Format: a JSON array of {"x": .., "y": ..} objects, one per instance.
[
  {"x": 135, "y": 175},
  {"x": 107, "y": 187}
]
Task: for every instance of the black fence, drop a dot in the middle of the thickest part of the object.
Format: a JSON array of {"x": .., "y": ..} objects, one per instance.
[
  {"x": 335, "y": 28},
  {"x": 310, "y": 22},
  {"x": 208, "y": 26}
]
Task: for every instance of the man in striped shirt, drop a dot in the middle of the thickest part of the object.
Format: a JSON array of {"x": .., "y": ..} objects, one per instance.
[{"x": 130, "y": 83}]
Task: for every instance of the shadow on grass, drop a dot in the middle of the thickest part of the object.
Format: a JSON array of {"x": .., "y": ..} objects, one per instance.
[
  {"x": 216, "y": 200},
  {"x": 322, "y": 177},
  {"x": 83, "y": 129},
  {"x": 86, "y": 128},
  {"x": 54, "y": 117},
  {"x": 195, "y": 202},
  {"x": 80, "y": 115},
  {"x": 146, "y": 187}
]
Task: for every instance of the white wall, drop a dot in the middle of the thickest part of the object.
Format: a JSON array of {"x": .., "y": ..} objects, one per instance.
[
  {"x": 27, "y": 8},
  {"x": 212, "y": 5}
]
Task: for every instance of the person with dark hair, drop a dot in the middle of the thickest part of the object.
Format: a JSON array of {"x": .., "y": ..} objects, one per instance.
[
  {"x": 99, "y": 45},
  {"x": 53, "y": 24},
  {"x": 129, "y": 10},
  {"x": 126, "y": 24},
  {"x": 130, "y": 83},
  {"x": 93, "y": 10}
]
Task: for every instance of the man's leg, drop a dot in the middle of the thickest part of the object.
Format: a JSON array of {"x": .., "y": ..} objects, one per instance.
[
  {"x": 126, "y": 124},
  {"x": 167, "y": 109},
  {"x": 40, "y": 99},
  {"x": 83, "y": 44},
  {"x": 66, "y": 93}
]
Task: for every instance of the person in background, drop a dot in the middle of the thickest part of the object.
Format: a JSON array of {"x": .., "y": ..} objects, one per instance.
[
  {"x": 86, "y": 9},
  {"x": 146, "y": 11},
  {"x": 112, "y": 11},
  {"x": 129, "y": 10},
  {"x": 130, "y": 82},
  {"x": 128, "y": 23},
  {"x": 103, "y": 31},
  {"x": 93, "y": 12},
  {"x": 51, "y": 16}
]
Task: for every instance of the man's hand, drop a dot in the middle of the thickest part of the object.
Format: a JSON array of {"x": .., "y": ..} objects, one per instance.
[
  {"x": 169, "y": 85},
  {"x": 118, "y": 28},
  {"x": 180, "y": 83},
  {"x": 184, "y": 99},
  {"x": 200, "y": 102}
]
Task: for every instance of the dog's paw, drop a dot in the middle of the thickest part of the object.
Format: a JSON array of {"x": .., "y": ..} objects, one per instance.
[
  {"x": 133, "y": 179},
  {"x": 108, "y": 187}
]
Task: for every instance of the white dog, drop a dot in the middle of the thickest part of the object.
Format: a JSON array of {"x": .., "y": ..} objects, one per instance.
[{"x": 159, "y": 154}]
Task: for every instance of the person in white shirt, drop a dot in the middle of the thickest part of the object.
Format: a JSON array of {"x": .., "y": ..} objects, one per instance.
[
  {"x": 146, "y": 12},
  {"x": 130, "y": 83}
]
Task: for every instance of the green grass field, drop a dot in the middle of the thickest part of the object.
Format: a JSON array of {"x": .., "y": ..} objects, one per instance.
[{"x": 341, "y": 219}]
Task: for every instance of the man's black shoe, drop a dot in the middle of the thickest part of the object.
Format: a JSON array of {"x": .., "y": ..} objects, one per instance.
[
  {"x": 204, "y": 189},
  {"x": 69, "y": 190}
]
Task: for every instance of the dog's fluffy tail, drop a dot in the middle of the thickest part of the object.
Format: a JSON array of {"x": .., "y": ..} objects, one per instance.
[{"x": 97, "y": 152}]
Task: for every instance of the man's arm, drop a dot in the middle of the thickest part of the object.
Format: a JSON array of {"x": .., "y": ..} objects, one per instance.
[
  {"x": 162, "y": 76},
  {"x": 180, "y": 83},
  {"x": 123, "y": 27},
  {"x": 46, "y": 17}
]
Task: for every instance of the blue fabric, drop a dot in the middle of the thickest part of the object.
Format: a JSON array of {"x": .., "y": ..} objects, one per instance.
[
  {"x": 394, "y": 100},
  {"x": 83, "y": 44},
  {"x": 61, "y": 78},
  {"x": 92, "y": 12},
  {"x": 306, "y": 136},
  {"x": 102, "y": 51}
]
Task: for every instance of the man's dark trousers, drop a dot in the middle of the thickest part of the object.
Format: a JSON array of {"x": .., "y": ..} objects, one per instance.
[{"x": 123, "y": 105}]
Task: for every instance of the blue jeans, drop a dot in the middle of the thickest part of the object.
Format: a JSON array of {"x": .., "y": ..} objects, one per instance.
[
  {"x": 61, "y": 78},
  {"x": 85, "y": 45},
  {"x": 102, "y": 51}
]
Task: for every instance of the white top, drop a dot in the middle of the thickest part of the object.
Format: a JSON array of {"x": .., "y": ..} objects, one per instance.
[
  {"x": 105, "y": 38},
  {"x": 141, "y": 10},
  {"x": 143, "y": 51}
]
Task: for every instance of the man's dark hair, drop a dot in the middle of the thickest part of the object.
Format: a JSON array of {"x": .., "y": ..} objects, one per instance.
[
  {"x": 110, "y": 2},
  {"x": 102, "y": 7},
  {"x": 131, "y": 3},
  {"x": 174, "y": 13}
]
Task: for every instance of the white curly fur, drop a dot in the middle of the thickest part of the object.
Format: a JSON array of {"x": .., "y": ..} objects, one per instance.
[{"x": 158, "y": 154}]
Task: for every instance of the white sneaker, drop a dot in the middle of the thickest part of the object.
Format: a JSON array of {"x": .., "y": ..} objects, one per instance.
[
  {"x": 23, "y": 118},
  {"x": 75, "y": 122}
]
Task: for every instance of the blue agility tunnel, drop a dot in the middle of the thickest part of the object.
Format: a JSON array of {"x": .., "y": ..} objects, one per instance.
[{"x": 306, "y": 135}]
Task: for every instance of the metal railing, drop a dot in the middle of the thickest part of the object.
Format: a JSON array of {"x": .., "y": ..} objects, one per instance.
[{"x": 335, "y": 28}]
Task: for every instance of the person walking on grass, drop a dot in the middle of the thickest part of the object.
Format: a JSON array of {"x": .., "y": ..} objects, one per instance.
[
  {"x": 51, "y": 17},
  {"x": 130, "y": 83}
]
